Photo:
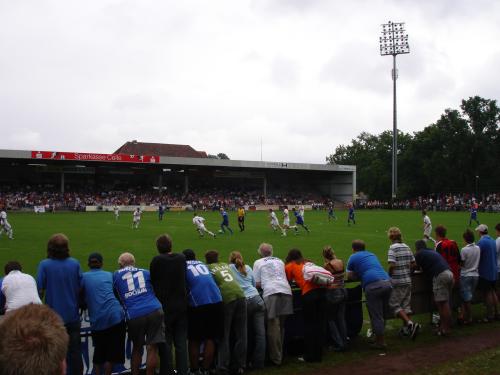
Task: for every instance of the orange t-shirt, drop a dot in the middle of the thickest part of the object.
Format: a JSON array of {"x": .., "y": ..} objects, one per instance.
[{"x": 294, "y": 272}]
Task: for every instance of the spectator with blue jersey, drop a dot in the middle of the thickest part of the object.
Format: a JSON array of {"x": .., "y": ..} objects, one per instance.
[
  {"x": 143, "y": 312},
  {"x": 487, "y": 271},
  {"x": 107, "y": 319},
  {"x": 299, "y": 220},
  {"x": 225, "y": 221},
  {"x": 255, "y": 307},
  {"x": 205, "y": 313},
  {"x": 2, "y": 298},
  {"x": 58, "y": 278},
  {"x": 168, "y": 276},
  {"x": 365, "y": 266}
]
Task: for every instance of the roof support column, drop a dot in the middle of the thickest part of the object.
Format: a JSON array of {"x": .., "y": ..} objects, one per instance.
[
  {"x": 62, "y": 181},
  {"x": 265, "y": 186},
  {"x": 186, "y": 183}
]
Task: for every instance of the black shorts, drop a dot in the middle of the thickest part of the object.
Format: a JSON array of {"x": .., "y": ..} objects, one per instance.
[
  {"x": 206, "y": 322},
  {"x": 486, "y": 285},
  {"x": 109, "y": 344},
  {"x": 241, "y": 219},
  {"x": 148, "y": 329}
]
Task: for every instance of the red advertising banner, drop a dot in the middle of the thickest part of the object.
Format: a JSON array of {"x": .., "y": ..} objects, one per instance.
[{"x": 116, "y": 158}]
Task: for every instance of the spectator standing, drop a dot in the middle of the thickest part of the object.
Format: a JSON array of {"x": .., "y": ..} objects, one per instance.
[
  {"x": 469, "y": 275},
  {"x": 435, "y": 267},
  {"x": 365, "y": 266},
  {"x": 107, "y": 318},
  {"x": 168, "y": 276},
  {"x": 313, "y": 306},
  {"x": 33, "y": 341},
  {"x": 2, "y": 298},
  {"x": 59, "y": 278},
  {"x": 205, "y": 313},
  {"x": 255, "y": 307},
  {"x": 336, "y": 296},
  {"x": 231, "y": 358},
  {"x": 270, "y": 276},
  {"x": 449, "y": 251},
  {"x": 488, "y": 272},
  {"x": 143, "y": 311},
  {"x": 401, "y": 261},
  {"x": 18, "y": 288}
]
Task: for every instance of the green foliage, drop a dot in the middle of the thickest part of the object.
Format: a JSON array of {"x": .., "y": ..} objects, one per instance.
[{"x": 443, "y": 157}]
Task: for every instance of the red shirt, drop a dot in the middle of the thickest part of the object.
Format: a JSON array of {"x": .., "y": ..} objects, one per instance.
[{"x": 449, "y": 251}]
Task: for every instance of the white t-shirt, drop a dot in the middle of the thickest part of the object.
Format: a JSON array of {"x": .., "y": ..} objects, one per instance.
[
  {"x": 274, "y": 218},
  {"x": 427, "y": 225},
  {"x": 470, "y": 256},
  {"x": 3, "y": 217},
  {"x": 137, "y": 215},
  {"x": 286, "y": 217},
  {"x": 19, "y": 289},
  {"x": 199, "y": 221},
  {"x": 270, "y": 273}
]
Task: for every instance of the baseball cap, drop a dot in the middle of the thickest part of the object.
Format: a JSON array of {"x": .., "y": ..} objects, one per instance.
[
  {"x": 95, "y": 256},
  {"x": 483, "y": 228}
]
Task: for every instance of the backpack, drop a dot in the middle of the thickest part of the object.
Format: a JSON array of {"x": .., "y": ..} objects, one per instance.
[{"x": 317, "y": 275}]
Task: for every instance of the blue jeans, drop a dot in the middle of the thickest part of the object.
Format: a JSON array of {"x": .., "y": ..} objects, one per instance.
[
  {"x": 255, "y": 317},
  {"x": 74, "y": 355},
  {"x": 234, "y": 357},
  {"x": 335, "y": 300}
]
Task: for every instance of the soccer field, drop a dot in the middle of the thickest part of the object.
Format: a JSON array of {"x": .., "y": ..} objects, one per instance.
[{"x": 89, "y": 232}]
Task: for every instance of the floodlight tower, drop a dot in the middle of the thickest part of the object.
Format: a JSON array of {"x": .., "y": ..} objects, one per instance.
[{"x": 394, "y": 41}]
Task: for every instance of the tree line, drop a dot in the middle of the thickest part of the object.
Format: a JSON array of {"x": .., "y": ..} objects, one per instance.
[{"x": 458, "y": 153}]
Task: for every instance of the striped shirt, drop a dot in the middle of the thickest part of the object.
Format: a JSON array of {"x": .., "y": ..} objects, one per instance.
[{"x": 400, "y": 254}]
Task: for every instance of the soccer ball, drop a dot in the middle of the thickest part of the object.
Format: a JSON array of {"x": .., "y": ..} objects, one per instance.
[{"x": 220, "y": 231}]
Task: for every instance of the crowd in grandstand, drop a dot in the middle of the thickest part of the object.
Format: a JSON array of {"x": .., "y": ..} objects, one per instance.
[{"x": 203, "y": 309}]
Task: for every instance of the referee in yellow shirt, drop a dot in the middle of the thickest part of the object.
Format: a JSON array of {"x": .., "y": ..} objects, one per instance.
[{"x": 241, "y": 218}]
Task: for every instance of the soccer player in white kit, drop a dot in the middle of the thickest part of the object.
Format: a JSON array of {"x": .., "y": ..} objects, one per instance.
[
  {"x": 286, "y": 221},
  {"x": 116, "y": 209},
  {"x": 137, "y": 218},
  {"x": 427, "y": 227},
  {"x": 5, "y": 226},
  {"x": 274, "y": 221},
  {"x": 199, "y": 222}
]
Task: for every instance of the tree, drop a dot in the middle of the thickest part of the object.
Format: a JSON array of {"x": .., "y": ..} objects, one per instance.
[{"x": 220, "y": 155}]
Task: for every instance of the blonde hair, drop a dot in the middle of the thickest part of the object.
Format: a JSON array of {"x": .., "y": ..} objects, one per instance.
[
  {"x": 236, "y": 259},
  {"x": 126, "y": 259},
  {"x": 394, "y": 234}
]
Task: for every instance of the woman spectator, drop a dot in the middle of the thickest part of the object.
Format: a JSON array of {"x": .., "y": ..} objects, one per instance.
[
  {"x": 313, "y": 306},
  {"x": 255, "y": 307},
  {"x": 336, "y": 296}
]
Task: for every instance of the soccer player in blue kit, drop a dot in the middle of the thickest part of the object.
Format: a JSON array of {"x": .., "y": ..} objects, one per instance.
[
  {"x": 143, "y": 310},
  {"x": 299, "y": 220},
  {"x": 350, "y": 216},
  {"x": 473, "y": 213},
  {"x": 225, "y": 221}
]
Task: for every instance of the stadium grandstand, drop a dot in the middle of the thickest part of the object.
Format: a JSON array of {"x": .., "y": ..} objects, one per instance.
[{"x": 147, "y": 173}]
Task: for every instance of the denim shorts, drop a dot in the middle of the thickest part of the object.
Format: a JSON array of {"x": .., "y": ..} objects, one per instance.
[{"x": 468, "y": 286}]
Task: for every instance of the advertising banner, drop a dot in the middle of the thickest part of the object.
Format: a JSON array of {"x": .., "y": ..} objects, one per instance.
[{"x": 114, "y": 158}]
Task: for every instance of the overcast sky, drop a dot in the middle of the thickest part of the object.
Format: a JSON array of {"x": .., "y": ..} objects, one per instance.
[{"x": 303, "y": 76}]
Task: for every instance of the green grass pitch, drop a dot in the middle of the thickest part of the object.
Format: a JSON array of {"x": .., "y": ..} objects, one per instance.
[{"x": 100, "y": 231}]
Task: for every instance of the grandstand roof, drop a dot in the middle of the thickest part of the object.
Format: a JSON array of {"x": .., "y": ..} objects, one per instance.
[{"x": 161, "y": 149}]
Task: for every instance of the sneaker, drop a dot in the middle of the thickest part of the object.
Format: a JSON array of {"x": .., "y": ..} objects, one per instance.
[
  {"x": 301, "y": 359},
  {"x": 413, "y": 330}
]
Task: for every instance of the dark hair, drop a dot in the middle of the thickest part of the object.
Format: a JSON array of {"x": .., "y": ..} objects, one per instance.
[
  {"x": 497, "y": 227},
  {"x": 440, "y": 231},
  {"x": 420, "y": 245},
  {"x": 189, "y": 254},
  {"x": 212, "y": 256},
  {"x": 164, "y": 244},
  {"x": 58, "y": 246},
  {"x": 294, "y": 255},
  {"x": 358, "y": 245},
  {"x": 468, "y": 236},
  {"x": 424, "y": 212},
  {"x": 13, "y": 265}
]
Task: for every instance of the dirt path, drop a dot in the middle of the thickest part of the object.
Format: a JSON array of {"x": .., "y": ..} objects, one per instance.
[{"x": 448, "y": 349}]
